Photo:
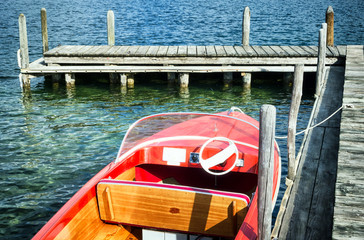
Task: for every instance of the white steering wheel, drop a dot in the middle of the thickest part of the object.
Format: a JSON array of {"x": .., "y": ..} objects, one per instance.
[{"x": 220, "y": 157}]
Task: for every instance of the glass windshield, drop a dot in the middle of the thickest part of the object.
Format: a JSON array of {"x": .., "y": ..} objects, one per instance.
[{"x": 194, "y": 125}]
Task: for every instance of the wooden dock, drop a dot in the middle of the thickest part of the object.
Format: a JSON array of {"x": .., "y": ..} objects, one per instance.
[
  {"x": 311, "y": 208},
  {"x": 133, "y": 59},
  {"x": 349, "y": 194}
]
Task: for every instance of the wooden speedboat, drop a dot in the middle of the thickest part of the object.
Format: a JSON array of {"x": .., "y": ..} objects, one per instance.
[{"x": 176, "y": 176}]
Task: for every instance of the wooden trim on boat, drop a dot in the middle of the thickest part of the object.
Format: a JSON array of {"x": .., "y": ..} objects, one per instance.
[{"x": 155, "y": 205}]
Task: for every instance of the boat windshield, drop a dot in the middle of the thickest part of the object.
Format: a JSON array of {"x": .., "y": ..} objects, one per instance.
[{"x": 189, "y": 125}]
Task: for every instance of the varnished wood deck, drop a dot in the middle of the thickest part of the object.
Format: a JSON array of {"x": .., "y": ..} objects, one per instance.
[{"x": 349, "y": 194}]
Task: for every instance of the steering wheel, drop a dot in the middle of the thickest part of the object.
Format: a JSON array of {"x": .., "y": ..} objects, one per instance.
[{"x": 220, "y": 157}]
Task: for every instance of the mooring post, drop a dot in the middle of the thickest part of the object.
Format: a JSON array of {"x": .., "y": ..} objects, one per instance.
[
  {"x": 245, "y": 42},
  {"x": 321, "y": 59},
  {"x": 265, "y": 170},
  {"x": 43, "y": 17},
  {"x": 110, "y": 28},
  {"x": 123, "y": 80},
  {"x": 130, "y": 80},
  {"x": 183, "y": 80},
  {"x": 292, "y": 120},
  {"x": 24, "y": 52},
  {"x": 70, "y": 80},
  {"x": 246, "y": 26},
  {"x": 330, "y": 26}
]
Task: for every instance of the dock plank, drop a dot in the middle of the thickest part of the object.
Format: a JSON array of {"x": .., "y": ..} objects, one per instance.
[
  {"x": 152, "y": 51},
  {"x": 210, "y": 51},
  {"x": 220, "y": 51},
  {"x": 162, "y": 51},
  {"x": 280, "y": 51},
  {"x": 192, "y": 51}
]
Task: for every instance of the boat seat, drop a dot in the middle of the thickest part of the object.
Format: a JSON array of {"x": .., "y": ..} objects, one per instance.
[{"x": 171, "y": 207}]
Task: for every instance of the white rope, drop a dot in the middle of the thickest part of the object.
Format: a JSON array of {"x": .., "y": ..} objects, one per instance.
[{"x": 318, "y": 124}]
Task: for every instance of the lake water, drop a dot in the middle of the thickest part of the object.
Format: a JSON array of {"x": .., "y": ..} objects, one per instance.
[{"x": 53, "y": 141}]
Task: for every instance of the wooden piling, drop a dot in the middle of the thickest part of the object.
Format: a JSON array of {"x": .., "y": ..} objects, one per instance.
[
  {"x": 123, "y": 80},
  {"x": 130, "y": 80},
  {"x": 245, "y": 42},
  {"x": 292, "y": 121},
  {"x": 183, "y": 80},
  {"x": 23, "y": 38},
  {"x": 246, "y": 27},
  {"x": 24, "y": 52},
  {"x": 70, "y": 79},
  {"x": 43, "y": 17},
  {"x": 265, "y": 172},
  {"x": 321, "y": 58},
  {"x": 110, "y": 28},
  {"x": 228, "y": 78},
  {"x": 330, "y": 26}
]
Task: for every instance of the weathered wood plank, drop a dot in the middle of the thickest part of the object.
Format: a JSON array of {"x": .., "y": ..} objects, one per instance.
[
  {"x": 142, "y": 51},
  {"x": 121, "y": 51},
  {"x": 182, "y": 51},
  {"x": 201, "y": 51},
  {"x": 269, "y": 51},
  {"x": 299, "y": 50},
  {"x": 162, "y": 51},
  {"x": 210, "y": 51},
  {"x": 192, "y": 51},
  {"x": 290, "y": 51},
  {"x": 250, "y": 51},
  {"x": 220, "y": 51},
  {"x": 152, "y": 51},
  {"x": 279, "y": 51},
  {"x": 240, "y": 51},
  {"x": 230, "y": 51},
  {"x": 172, "y": 51},
  {"x": 132, "y": 50},
  {"x": 310, "y": 52},
  {"x": 260, "y": 52}
]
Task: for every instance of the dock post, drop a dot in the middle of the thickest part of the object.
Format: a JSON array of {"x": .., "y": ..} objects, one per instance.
[
  {"x": 24, "y": 52},
  {"x": 330, "y": 26},
  {"x": 70, "y": 79},
  {"x": 246, "y": 27},
  {"x": 111, "y": 40},
  {"x": 245, "y": 42},
  {"x": 110, "y": 28},
  {"x": 123, "y": 80},
  {"x": 265, "y": 170},
  {"x": 321, "y": 59},
  {"x": 43, "y": 17},
  {"x": 183, "y": 80},
  {"x": 292, "y": 121},
  {"x": 228, "y": 79},
  {"x": 130, "y": 80}
]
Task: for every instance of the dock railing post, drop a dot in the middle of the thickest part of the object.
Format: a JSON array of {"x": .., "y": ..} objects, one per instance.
[
  {"x": 265, "y": 170},
  {"x": 24, "y": 52},
  {"x": 330, "y": 26},
  {"x": 110, "y": 28},
  {"x": 321, "y": 59},
  {"x": 43, "y": 17},
  {"x": 292, "y": 121},
  {"x": 245, "y": 42}
]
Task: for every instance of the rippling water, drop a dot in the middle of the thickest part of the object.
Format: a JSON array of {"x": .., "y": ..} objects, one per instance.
[{"x": 53, "y": 141}]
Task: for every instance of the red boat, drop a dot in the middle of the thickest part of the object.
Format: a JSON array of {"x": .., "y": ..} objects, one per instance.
[{"x": 176, "y": 176}]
